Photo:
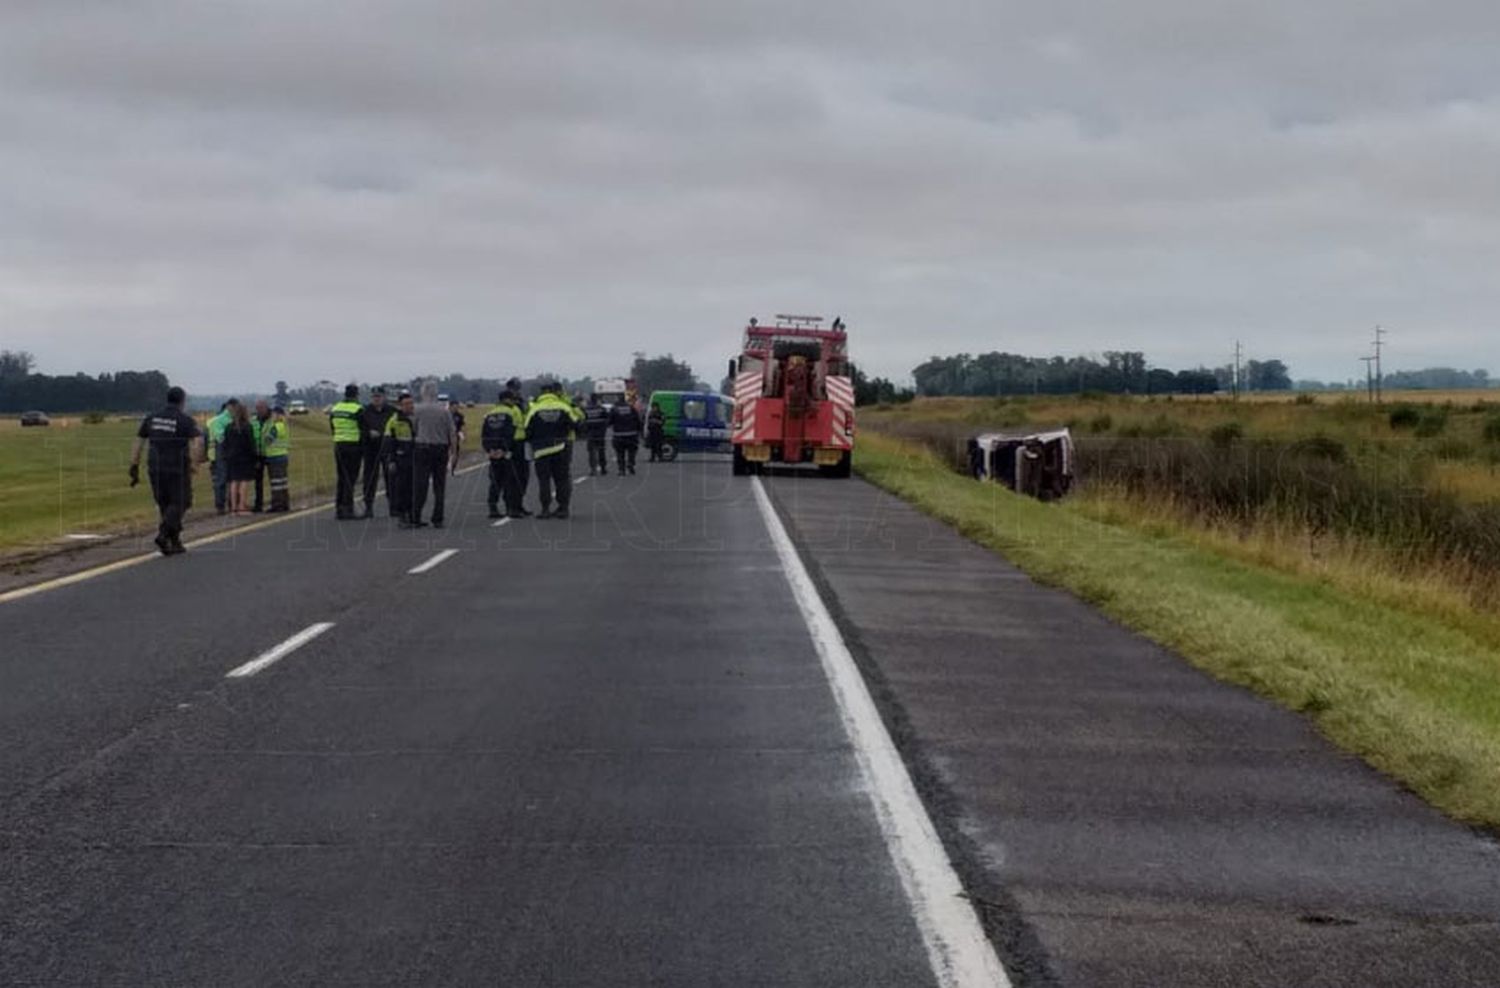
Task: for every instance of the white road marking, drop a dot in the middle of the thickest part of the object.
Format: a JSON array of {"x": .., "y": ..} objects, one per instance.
[
  {"x": 279, "y": 652},
  {"x": 502, "y": 521},
  {"x": 960, "y": 954},
  {"x": 579, "y": 480},
  {"x": 84, "y": 536},
  {"x": 433, "y": 563}
]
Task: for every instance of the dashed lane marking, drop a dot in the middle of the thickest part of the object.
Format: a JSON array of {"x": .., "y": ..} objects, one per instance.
[
  {"x": 275, "y": 655},
  {"x": 433, "y": 563},
  {"x": 960, "y": 954}
]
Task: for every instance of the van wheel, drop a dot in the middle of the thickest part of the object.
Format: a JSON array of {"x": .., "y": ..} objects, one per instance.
[{"x": 669, "y": 450}]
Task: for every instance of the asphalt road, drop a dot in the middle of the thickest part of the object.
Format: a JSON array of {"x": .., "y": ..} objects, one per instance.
[
  {"x": 590, "y": 753},
  {"x": 606, "y": 752}
]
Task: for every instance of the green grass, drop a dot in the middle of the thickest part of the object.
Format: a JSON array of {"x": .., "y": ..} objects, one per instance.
[
  {"x": 1415, "y": 696},
  {"x": 71, "y": 478}
]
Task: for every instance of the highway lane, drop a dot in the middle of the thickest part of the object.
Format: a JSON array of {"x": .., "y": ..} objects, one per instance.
[{"x": 596, "y": 753}]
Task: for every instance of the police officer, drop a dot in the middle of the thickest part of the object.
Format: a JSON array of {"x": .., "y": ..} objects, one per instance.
[
  {"x": 503, "y": 436},
  {"x": 398, "y": 448},
  {"x": 276, "y": 446},
  {"x": 344, "y": 421},
  {"x": 373, "y": 420},
  {"x": 176, "y": 447},
  {"x": 258, "y": 423},
  {"x": 523, "y": 458},
  {"x": 625, "y": 424},
  {"x": 595, "y": 427},
  {"x": 550, "y": 426}
]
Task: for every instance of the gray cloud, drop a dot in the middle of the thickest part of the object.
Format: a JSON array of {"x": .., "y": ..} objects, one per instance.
[{"x": 241, "y": 192}]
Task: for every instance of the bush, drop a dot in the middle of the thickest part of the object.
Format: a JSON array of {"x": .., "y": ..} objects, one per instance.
[
  {"x": 1432, "y": 423},
  {"x": 1101, "y": 423},
  {"x": 1492, "y": 429},
  {"x": 1405, "y": 417},
  {"x": 1321, "y": 447},
  {"x": 1305, "y": 399},
  {"x": 1226, "y": 434},
  {"x": 93, "y": 418},
  {"x": 1454, "y": 449},
  {"x": 1157, "y": 427}
]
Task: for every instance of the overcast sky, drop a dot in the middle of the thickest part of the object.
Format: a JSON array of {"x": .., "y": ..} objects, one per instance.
[{"x": 243, "y": 191}]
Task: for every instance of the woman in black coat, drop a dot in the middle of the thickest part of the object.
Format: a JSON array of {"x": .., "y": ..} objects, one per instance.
[{"x": 238, "y": 450}]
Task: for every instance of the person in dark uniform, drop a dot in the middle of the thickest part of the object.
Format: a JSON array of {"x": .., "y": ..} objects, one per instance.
[
  {"x": 625, "y": 426},
  {"x": 176, "y": 447},
  {"x": 523, "y": 459},
  {"x": 550, "y": 426},
  {"x": 503, "y": 436},
  {"x": 373, "y": 420},
  {"x": 398, "y": 449},
  {"x": 348, "y": 455},
  {"x": 595, "y": 430},
  {"x": 656, "y": 431}
]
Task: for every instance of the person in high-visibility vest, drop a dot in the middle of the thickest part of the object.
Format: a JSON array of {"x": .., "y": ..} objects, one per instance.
[
  {"x": 258, "y": 423},
  {"x": 398, "y": 449},
  {"x": 504, "y": 437},
  {"x": 276, "y": 447},
  {"x": 217, "y": 465},
  {"x": 550, "y": 427},
  {"x": 344, "y": 421}
]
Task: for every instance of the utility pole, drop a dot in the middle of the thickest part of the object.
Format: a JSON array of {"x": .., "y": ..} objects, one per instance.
[
  {"x": 1379, "y": 343},
  {"x": 1370, "y": 376},
  {"x": 1239, "y": 353}
]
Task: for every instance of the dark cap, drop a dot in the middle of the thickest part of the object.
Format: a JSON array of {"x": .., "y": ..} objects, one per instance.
[
  {"x": 176, "y": 396},
  {"x": 351, "y": 391},
  {"x": 514, "y": 384},
  {"x": 378, "y": 390},
  {"x": 277, "y": 410}
]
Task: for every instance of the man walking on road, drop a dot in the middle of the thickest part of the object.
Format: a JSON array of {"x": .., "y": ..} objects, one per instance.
[
  {"x": 398, "y": 448},
  {"x": 436, "y": 452},
  {"x": 550, "y": 427},
  {"x": 176, "y": 446},
  {"x": 343, "y": 420},
  {"x": 373, "y": 420},
  {"x": 276, "y": 444},
  {"x": 595, "y": 428},
  {"x": 625, "y": 425}
]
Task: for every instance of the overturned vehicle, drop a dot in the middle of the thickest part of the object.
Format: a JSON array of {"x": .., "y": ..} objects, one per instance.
[{"x": 1039, "y": 464}]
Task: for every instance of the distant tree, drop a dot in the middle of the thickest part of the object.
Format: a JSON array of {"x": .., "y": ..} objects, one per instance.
[
  {"x": 15, "y": 365},
  {"x": 1267, "y": 375},
  {"x": 663, "y": 373},
  {"x": 1437, "y": 378}
]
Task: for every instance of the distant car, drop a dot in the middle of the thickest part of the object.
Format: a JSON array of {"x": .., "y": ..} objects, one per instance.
[
  {"x": 35, "y": 418},
  {"x": 297, "y": 407}
]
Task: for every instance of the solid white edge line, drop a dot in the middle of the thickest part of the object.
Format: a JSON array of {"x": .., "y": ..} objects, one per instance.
[
  {"x": 579, "y": 480},
  {"x": 432, "y": 563},
  {"x": 280, "y": 652},
  {"x": 960, "y": 954},
  {"x": 502, "y": 521}
]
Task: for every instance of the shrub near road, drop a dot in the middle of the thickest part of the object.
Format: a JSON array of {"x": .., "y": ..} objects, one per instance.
[
  {"x": 70, "y": 479},
  {"x": 1399, "y": 668}
]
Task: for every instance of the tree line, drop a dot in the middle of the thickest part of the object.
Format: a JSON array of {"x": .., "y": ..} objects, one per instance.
[
  {"x": 21, "y": 390},
  {"x": 1118, "y": 372}
]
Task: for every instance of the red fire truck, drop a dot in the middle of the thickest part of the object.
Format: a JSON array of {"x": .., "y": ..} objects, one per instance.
[{"x": 793, "y": 396}]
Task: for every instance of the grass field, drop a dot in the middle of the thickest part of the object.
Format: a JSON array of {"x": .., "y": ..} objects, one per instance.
[
  {"x": 1411, "y": 689},
  {"x": 70, "y": 478}
]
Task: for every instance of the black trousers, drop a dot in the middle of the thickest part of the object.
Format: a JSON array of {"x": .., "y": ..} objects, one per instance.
[
  {"x": 653, "y": 443},
  {"x": 398, "y": 488},
  {"x": 346, "y": 460},
  {"x": 523, "y": 473},
  {"x": 431, "y": 466},
  {"x": 173, "y": 493},
  {"x": 505, "y": 484},
  {"x": 260, "y": 484},
  {"x": 598, "y": 458},
  {"x": 374, "y": 473},
  {"x": 555, "y": 471},
  {"x": 281, "y": 493},
  {"x": 625, "y": 448}
]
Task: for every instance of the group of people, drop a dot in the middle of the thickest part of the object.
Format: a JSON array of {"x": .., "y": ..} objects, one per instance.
[
  {"x": 410, "y": 447},
  {"x": 245, "y": 450}
]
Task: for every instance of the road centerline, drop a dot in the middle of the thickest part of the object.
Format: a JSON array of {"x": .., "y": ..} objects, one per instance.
[
  {"x": 275, "y": 655},
  {"x": 960, "y": 954},
  {"x": 433, "y": 563}
]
